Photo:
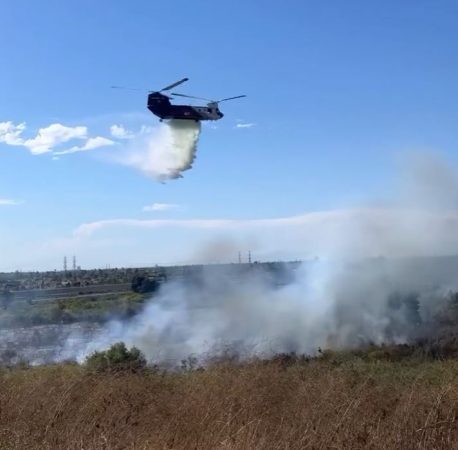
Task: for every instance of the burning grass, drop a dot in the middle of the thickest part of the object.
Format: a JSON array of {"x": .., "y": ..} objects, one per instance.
[{"x": 339, "y": 400}]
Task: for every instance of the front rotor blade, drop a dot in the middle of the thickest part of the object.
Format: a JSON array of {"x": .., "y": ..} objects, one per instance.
[
  {"x": 230, "y": 98},
  {"x": 192, "y": 96},
  {"x": 174, "y": 84}
]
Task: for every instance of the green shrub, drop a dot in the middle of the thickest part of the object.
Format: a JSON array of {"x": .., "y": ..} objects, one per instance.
[{"x": 116, "y": 359}]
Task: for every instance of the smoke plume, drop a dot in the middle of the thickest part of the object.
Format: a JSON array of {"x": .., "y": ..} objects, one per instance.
[
  {"x": 164, "y": 152},
  {"x": 328, "y": 305}
]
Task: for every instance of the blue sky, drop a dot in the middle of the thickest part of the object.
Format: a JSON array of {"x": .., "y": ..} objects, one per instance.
[{"x": 337, "y": 91}]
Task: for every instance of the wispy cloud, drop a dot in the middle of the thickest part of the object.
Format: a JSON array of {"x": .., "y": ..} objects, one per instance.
[
  {"x": 90, "y": 144},
  {"x": 9, "y": 202},
  {"x": 245, "y": 125},
  {"x": 160, "y": 207},
  {"x": 353, "y": 233},
  {"x": 89, "y": 228}
]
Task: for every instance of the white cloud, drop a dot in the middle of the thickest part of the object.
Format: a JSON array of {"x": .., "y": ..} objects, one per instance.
[
  {"x": 305, "y": 219},
  {"x": 160, "y": 207},
  {"x": 50, "y": 137},
  {"x": 97, "y": 142},
  {"x": 90, "y": 144},
  {"x": 53, "y": 135},
  {"x": 119, "y": 132},
  {"x": 45, "y": 140},
  {"x": 11, "y": 134},
  {"x": 245, "y": 125},
  {"x": 9, "y": 202}
]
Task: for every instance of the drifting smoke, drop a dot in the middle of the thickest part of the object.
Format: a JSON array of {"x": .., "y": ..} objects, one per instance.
[
  {"x": 341, "y": 302},
  {"x": 163, "y": 153},
  {"x": 329, "y": 305}
]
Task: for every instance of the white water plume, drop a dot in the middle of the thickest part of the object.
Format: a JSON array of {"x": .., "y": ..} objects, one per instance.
[{"x": 163, "y": 152}]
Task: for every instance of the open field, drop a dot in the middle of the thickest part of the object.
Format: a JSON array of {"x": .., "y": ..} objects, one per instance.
[
  {"x": 391, "y": 396},
  {"x": 36, "y": 295},
  {"x": 98, "y": 307},
  {"x": 335, "y": 401}
]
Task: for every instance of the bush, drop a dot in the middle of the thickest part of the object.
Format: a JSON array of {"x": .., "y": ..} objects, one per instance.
[{"x": 116, "y": 359}]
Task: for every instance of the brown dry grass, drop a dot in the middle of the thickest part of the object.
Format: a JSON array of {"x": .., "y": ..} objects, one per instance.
[{"x": 320, "y": 404}]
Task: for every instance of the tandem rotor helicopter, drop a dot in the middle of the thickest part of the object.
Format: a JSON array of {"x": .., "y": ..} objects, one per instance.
[{"x": 159, "y": 104}]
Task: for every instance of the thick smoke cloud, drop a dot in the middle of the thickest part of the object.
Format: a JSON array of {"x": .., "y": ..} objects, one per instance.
[
  {"x": 163, "y": 152},
  {"x": 329, "y": 305}
]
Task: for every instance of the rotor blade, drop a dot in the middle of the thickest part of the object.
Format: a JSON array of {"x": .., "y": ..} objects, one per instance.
[
  {"x": 230, "y": 98},
  {"x": 192, "y": 96},
  {"x": 128, "y": 88},
  {"x": 174, "y": 84}
]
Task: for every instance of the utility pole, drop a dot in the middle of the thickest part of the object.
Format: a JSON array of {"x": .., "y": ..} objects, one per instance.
[
  {"x": 65, "y": 264},
  {"x": 74, "y": 263}
]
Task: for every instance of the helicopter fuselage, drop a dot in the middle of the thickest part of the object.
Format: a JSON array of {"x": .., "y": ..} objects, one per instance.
[{"x": 160, "y": 105}]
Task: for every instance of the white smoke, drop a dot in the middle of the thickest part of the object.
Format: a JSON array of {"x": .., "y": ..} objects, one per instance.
[
  {"x": 337, "y": 305},
  {"x": 247, "y": 314},
  {"x": 341, "y": 302},
  {"x": 164, "y": 152}
]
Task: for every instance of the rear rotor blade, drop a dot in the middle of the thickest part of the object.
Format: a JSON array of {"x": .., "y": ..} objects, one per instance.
[
  {"x": 230, "y": 98},
  {"x": 192, "y": 96},
  {"x": 174, "y": 84}
]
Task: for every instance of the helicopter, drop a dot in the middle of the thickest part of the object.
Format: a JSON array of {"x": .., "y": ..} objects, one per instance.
[{"x": 159, "y": 104}]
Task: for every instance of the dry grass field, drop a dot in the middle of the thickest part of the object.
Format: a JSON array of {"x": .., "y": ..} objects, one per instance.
[{"x": 333, "y": 402}]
